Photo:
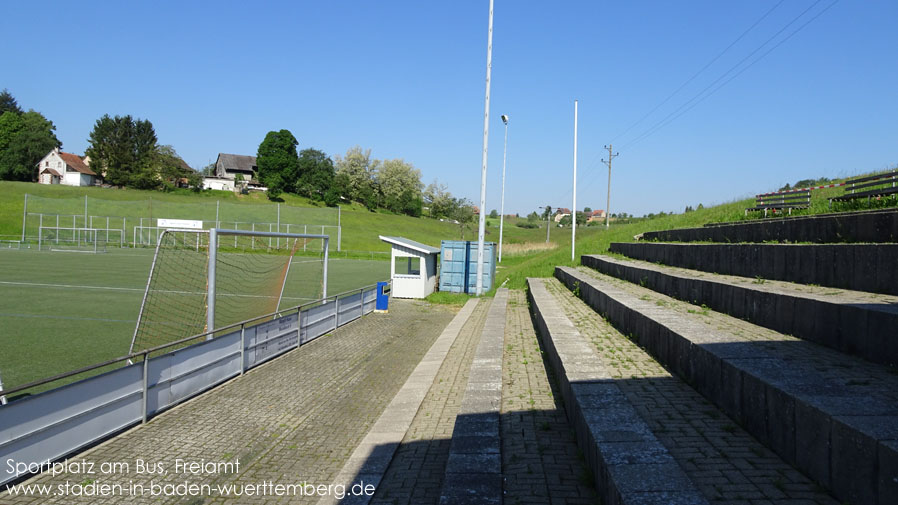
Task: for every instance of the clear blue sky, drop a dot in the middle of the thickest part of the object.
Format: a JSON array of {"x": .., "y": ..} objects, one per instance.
[{"x": 406, "y": 79}]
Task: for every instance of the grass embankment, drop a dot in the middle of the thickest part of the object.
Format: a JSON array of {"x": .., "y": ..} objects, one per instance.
[{"x": 360, "y": 227}]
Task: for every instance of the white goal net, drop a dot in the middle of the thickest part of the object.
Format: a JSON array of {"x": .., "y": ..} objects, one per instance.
[{"x": 202, "y": 280}]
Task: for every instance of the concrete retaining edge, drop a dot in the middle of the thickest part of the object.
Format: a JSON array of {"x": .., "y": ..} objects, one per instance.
[
  {"x": 629, "y": 464},
  {"x": 855, "y": 329},
  {"x": 848, "y": 445},
  {"x": 874, "y": 227},
  {"x": 860, "y": 267},
  {"x": 474, "y": 468},
  {"x": 371, "y": 458}
]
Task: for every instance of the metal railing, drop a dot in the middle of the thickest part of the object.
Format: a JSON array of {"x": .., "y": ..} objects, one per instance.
[{"x": 60, "y": 421}]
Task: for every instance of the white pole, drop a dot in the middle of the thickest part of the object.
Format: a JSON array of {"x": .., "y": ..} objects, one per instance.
[
  {"x": 502, "y": 204},
  {"x": 574, "y": 210},
  {"x": 486, "y": 135}
]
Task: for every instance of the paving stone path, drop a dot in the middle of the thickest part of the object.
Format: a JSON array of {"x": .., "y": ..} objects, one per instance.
[
  {"x": 415, "y": 476},
  {"x": 727, "y": 464},
  {"x": 540, "y": 459},
  {"x": 296, "y": 419}
]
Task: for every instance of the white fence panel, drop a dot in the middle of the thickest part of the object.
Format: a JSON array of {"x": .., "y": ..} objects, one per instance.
[
  {"x": 267, "y": 340},
  {"x": 54, "y": 423}
]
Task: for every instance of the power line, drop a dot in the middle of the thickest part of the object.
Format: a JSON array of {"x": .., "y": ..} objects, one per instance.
[
  {"x": 737, "y": 74},
  {"x": 713, "y": 60},
  {"x": 698, "y": 96}
]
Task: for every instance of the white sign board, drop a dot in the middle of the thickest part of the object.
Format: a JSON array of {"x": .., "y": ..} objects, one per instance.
[{"x": 187, "y": 224}]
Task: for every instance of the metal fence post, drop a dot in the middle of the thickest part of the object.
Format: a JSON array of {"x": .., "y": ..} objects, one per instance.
[
  {"x": 146, "y": 396},
  {"x": 210, "y": 295},
  {"x": 336, "y": 312},
  {"x": 242, "y": 348},
  {"x": 24, "y": 216}
]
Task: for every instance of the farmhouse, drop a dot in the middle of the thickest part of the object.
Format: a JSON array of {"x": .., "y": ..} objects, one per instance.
[
  {"x": 596, "y": 215},
  {"x": 68, "y": 169}
]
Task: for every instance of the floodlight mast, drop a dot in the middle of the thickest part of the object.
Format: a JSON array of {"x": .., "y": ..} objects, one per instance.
[
  {"x": 574, "y": 210},
  {"x": 486, "y": 135},
  {"x": 502, "y": 205}
]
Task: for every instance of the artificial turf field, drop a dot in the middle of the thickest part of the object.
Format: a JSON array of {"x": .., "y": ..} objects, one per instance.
[{"x": 60, "y": 311}]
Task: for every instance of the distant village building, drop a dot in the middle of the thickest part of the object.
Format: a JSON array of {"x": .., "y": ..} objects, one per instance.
[
  {"x": 560, "y": 213},
  {"x": 68, "y": 169},
  {"x": 227, "y": 169},
  {"x": 596, "y": 215}
]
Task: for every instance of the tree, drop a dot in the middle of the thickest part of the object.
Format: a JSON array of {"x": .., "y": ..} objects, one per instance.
[
  {"x": 209, "y": 170},
  {"x": 547, "y": 211},
  {"x": 462, "y": 213},
  {"x": 339, "y": 187},
  {"x": 533, "y": 216},
  {"x": 24, "y": 140},
  {"x": 361, "y": 175},
  {"x": 400, "y": 184},
  {"x": 494, "y": 214},
  {"x": 278, "y": 162},
  {"x": 124, "y": 151},
  {"x": 8, "y": 103},
  {"x": 316, "y": 174},
  {"x": 587, "y": 210},
  {"x": 438, "y": 198}
]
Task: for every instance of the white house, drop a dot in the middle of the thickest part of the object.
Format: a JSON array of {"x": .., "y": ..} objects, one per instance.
[
  {"x": 65, "y": 168},
  {"x": 413, "y": 267},
  {"x": 221, "y": 183}
]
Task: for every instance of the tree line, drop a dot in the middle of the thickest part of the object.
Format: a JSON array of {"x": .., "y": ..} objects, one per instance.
[{"x": 394, "y": 184}]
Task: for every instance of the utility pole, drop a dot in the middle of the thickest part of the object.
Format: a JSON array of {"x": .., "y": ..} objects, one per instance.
[
  {"x": 574, "y": 210},
  {"x": 486, "y": 135},
  {"x": 608, "y": 201},
  {"x": 502, "y": 206}
]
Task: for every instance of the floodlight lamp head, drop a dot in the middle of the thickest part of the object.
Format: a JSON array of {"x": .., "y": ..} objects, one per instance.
[{"x": 505, "y": 118}]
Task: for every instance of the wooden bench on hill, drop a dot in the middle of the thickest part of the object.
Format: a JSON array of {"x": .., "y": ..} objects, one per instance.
[
  {"x": 868, "y": 187},
  {"x": 786, "y": 200}
]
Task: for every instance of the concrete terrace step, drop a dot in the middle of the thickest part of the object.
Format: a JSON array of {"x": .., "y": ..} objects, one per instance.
[
  {"x": 873, "y": 226},
  {"x": 854, "y": 322},
  {"x": 834, "y": 417},
  {"x": 630, "y": 465},
  {"x": 723, "y": 461},
  {"x": 474, "y": 467},
  {"x": 859, "y": 267}
]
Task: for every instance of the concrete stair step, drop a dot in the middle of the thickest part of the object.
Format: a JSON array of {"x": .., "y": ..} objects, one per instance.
[
  {"x": 858, "y": 267},
  {"x": 629, "y": 463},
  {"x": 832, "y": 416},
  {"x": 871, "y": 226},
  {"x": 854, "y": 322},
  {"x": 474, "y": 468}
]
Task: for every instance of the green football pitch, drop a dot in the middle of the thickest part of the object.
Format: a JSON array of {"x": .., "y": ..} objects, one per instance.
[{"x": 60, "y": 311}]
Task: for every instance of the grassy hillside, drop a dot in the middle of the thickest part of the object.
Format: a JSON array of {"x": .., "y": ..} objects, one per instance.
[{"x": 360, "y": 226}]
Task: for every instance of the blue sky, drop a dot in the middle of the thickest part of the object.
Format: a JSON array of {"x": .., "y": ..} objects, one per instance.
[{"x": 406, "y": 79}]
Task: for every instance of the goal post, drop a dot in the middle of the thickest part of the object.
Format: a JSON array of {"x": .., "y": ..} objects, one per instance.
[
  {"x": 214, "y": 236},
  {"x": 202, "y": 280}
]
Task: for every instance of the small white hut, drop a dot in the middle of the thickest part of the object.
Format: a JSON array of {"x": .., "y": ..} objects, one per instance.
[{"x": 413, "y": 267}]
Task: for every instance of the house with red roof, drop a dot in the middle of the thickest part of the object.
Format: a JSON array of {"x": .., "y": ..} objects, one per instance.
[
  {"x": 596, "y": 215},
  {"x": 65, "y": 168}
]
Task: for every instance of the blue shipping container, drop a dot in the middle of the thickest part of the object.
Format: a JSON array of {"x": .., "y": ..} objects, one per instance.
[{"x": 458, "y": 266}]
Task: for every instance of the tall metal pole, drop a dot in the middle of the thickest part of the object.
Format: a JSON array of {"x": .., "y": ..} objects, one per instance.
[
  {"x": 502, "y": 205},
  {"x": 85, "y": 212},
  {"x": 548, "y": 226},
  {"x": 574, "y": 210},
  {"x": 608, "y": 201},
  {"x": 486, "y": 135}
]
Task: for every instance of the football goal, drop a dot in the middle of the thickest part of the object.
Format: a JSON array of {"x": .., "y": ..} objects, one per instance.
[
  {"x": 202, "y": 280},
  {"x": 90, "y": 240}
]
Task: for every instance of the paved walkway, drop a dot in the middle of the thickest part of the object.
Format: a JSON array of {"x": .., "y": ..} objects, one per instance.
[
  {"x": 292, "y": 421},
  {"x": 298, "y": 419}
]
